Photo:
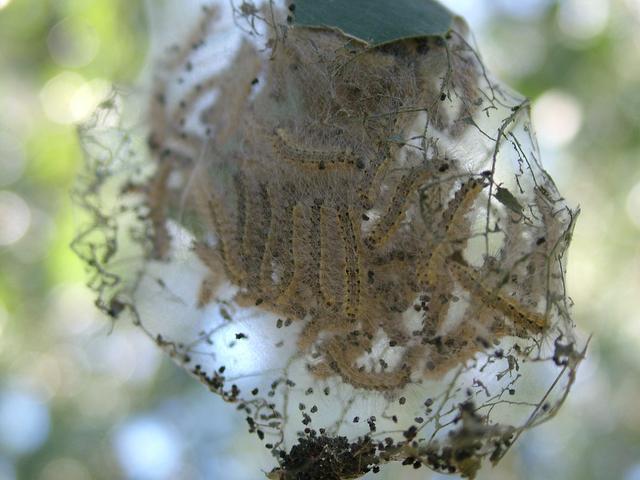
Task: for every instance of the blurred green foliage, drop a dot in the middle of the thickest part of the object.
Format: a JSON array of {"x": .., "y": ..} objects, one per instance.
[{"x": 61, "y": 367}]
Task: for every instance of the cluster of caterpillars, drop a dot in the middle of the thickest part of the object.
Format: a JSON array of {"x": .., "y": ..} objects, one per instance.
[{"x": 321, "y": 215}]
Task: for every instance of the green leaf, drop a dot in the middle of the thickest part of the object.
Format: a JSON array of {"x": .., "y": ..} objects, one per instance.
[
  {"x": 506, "y": 198},
  {"x": 375, "y": 22}
]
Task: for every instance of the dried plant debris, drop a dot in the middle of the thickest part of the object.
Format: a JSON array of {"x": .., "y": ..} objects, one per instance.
[{"x": 356, "y": 244}]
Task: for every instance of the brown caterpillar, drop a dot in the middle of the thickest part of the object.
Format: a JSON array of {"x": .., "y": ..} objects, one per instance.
[{"x": 316, "y": 206}]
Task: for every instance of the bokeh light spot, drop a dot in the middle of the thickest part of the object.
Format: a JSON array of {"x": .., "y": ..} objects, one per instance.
[
  {"x": 15, "y": 218},
  {"x": 24, "y": 422},
  {"x": 67, "y": 98},
  {"x": 583, "y": 19},
  {"x": 72, "y": 43},
  {"x": 36, "y": 244},
  {"x": 557, "y": 117},
  {"x": 147, "y": 449},
  {"x": 87, "y": 97},
  {"x": 71, "y": 311}
]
